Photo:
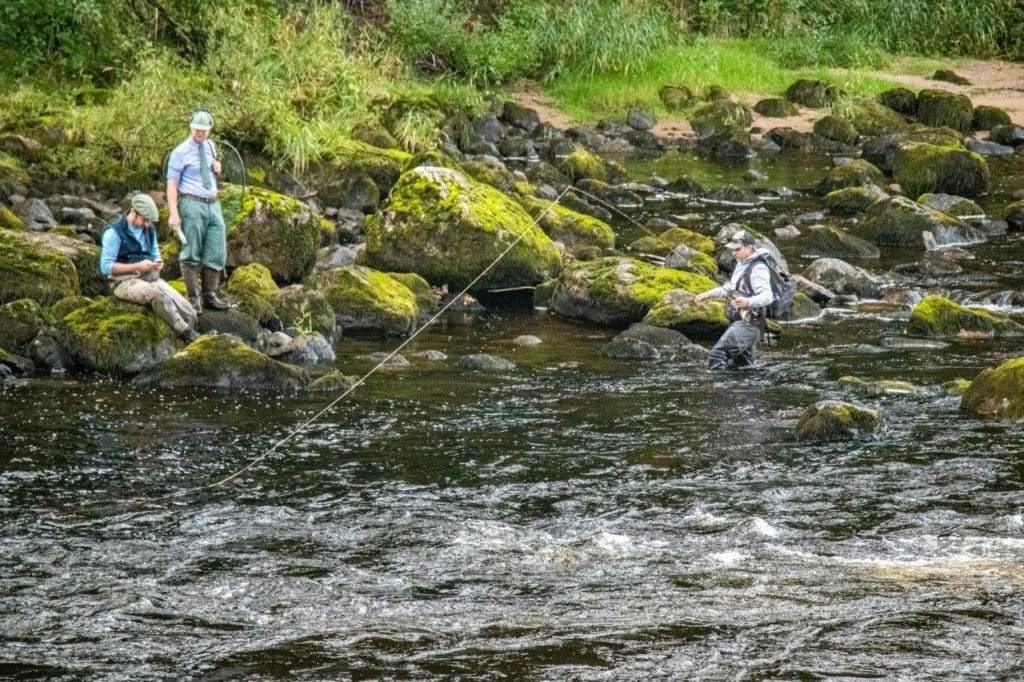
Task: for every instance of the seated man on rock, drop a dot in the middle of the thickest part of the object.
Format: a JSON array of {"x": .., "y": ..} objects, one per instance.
[
  {"x": 748, "y": 292},
  {"x": 130, "y": 258}
]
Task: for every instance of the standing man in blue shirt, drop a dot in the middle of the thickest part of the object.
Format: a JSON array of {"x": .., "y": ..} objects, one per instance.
[
  {"x": 130, "y": 258},
  {"x": 748, "y": 295},
  {"x": 192, "y": 171}
]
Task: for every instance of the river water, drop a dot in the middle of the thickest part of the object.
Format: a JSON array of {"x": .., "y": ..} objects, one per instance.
[{"x": 578, "y": 518}]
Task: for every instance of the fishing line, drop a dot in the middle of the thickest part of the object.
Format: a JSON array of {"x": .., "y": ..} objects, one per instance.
[{"x": 306, "y": 424}]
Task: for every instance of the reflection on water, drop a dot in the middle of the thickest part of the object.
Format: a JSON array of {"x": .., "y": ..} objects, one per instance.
[{"x": 576, "y": 518}]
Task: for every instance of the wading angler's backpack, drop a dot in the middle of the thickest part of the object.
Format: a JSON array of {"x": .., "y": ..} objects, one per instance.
[{"x": 783, "y": 287}]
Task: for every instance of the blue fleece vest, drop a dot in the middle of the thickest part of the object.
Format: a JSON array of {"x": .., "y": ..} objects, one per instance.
[{"x": 131, "y": 250}]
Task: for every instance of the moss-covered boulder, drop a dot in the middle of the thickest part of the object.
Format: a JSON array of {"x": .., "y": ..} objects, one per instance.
[
  {"x": 922, "y": 167},
  {"x": 987, "y": 118},
  {"x": 427, "y": 297},
  {"x": 273, "y": 229},
  {"x": 68, "y": 304},
  {"x": 448, "y": 228},
  {"x": 223, "y": 362},
  {"x": 29, "y": 271},
  {"x": 900, "y": 100},
  {"x": 941, "y": 108},
  {"x": 233, "y": 321},
  {"x": 116, "y": 337},
  {"x": 898, "y": 221},
  {"x": 617, "y": 291},
  {"x": 306, "y": 309},
  {"x": 20, "y": 321},
  {"x": 334, "y": 382},
  {"x": 490, "y": 173},
  {"x": 956, "y": 387},
  {"x": 254, "y": 290},
  {"x": 936, "y": 317},
  {"x": 675, "y": 97},
  {"x": 582, "y": 164},
  {"x": 871, "y": 118},
  {"x": 671, "y": 238},
  {"x": 997, "y": 392},
  {"x": 828, "y": 241},
  {"x": 352, "y": 158},
  {"x": 367, "y": 300},
  {"x": 804, "y": 308},
  {"x": 573, "y": 229},
  {"x": 677, "y": 311},
  {"x": 84, "y": 254},
  {"x": 835, "y": 128},
  {"x": 776, "y": 107},
  {"x": 720, "y": 117},
  {"x": 10, "y": 221},
  {"x": 688, "y": 259},
  {"x": 857, "y": 173},
  {"x": 835, "y": 420},
  {"x": 851, "y": 201},
  {"x": 812, "y": 93},
  {"x": 950, "y": 204}
]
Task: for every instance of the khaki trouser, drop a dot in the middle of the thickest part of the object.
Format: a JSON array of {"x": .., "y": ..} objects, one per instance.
[{"x": 168, "y": 304}]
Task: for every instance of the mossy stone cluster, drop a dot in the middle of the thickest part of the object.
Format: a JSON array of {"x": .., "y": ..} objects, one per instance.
[
  {"x": 997, "y": 392},
  {"x": 582, "y": 164},
  {"x": 28, "y": 271},
  {"x": 273, "y": 229},
  {"x": 871, "y": 118},
  {"x": 836, "y": 420},
  {"x": 116, "y": 337},
  {"x": 900, "y": 100},
  {"x": 223, "y": 362},
  {"x": 937, "y": 317},
  {"x": 367, "y": 300},
  {"x": 776, "y": 107},
  {"x": 491, "y": 173},
  {"x": 851, "y": 201},
  {"x": 447, "y": 228},
  {"x": 573, "y": 229},
  {"x": 941, "y": 108},
  {"x": 922, "y": 168},
  {"x": 675, "y": 97},
  {"x": 618, "y": 291},
  {"x": 353, "y": 158},
  {"x": 987, "y": 117},
  {"x": 84, "y": 255},
  {"x": 835, "y": 128},
  {"x": 254, "y": 289}
]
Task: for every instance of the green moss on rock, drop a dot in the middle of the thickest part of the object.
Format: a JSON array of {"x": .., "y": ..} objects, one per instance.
[
  {"x": 835, "y": 128},
  {"x": 851, "y": 201},
  {"x": 307, "y": 309},
  {"x": 66, "y": 305},
  {"x": 720, "y": 117},
  {"x": 936, "y": 317},
  {"x": 254, "y": 289},
  {"x": 20, "y": 321},
  {"x": 9, "y": 221},
  {"x": 273, "y": 229},
  {"x": 223, "y": 362},
  {"x": 573, "y": 229},
  {"x": 997, "y": 392},
  {"x": 941, "y": 108},
  {"x": 922, "y": 168},
  {"x": 28, "y": 271},
  {"x": 334, "y": 382},
  {"x": 872, "y": 118},
  {"x": 812, "y": 93},
  {"x": 581, "y": 164},
  {"x": 900, "y": 100},
  {"x": 448, "y": 229},
  {"x": 427, "y": 298},
  {"x": 618, "y": 291},
  {"x": 857, "y": 173},
  {"x": 116, "y": 337},
  {"x": 835, "y": 420},
  {"x": 776, "y": 107},
  {"x": 987, "y": 117},
  {"x": 367, "y": 300},
  {"x": 899, "y": 221}
]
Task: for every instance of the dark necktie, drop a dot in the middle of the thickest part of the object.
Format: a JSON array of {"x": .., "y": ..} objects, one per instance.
[{"x": 204, "y": 167}]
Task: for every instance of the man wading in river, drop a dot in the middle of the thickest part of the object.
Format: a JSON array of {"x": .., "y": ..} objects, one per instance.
[
  {"x": 745, "y": 308},
  {"x": 192, "y": 171},
  {"x": 130, "y": 257}
]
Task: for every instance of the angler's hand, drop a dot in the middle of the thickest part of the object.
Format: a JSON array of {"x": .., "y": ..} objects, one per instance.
[
  {"x": 740, "y": 302},
  {"x": 215, "y": 166}
]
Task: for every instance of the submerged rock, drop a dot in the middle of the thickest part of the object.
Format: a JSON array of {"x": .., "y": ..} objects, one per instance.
[
  {"x": 898, "y": 221},
  {"x": 842, "y": 278},
  {"x": 997, "y": 392},
  {"x": 938, "y": 317},
  {"x": 223, "y": 362},
  {"x": 308, "y": 347},
  {"x": 627, "y": 348},
  {"x": 881, "y": 385},
  {"x": 334, "y": 382},
  {"x": 831, "y": 242},
  {"x": 482, "y": 362},
  {"x": 835, "y": 420}
]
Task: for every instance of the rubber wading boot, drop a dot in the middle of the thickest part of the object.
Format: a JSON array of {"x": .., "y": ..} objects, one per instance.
[
  {"x": 211, "y": 278},
  {"x": 190, "y": 274}
]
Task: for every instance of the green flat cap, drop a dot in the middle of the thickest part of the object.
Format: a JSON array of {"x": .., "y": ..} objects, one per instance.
[{"x": 145, "y": 207}]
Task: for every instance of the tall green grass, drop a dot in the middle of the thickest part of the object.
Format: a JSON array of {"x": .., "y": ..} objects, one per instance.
[{"x": 736, "y": 65}]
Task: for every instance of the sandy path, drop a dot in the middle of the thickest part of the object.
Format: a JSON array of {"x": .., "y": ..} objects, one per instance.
[{"x": 993, "y": 83}]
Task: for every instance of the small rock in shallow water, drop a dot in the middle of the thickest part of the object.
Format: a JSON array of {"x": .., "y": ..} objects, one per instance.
[
  {"x": 527, "y": 340},
  {"x": 432, "y": 355},
  {"x": 397, "y": 361},
  {"x": 485, "y": 363}
]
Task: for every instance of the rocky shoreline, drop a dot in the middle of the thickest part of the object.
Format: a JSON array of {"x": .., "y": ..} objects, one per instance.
[{"x": 376, "y": 240}]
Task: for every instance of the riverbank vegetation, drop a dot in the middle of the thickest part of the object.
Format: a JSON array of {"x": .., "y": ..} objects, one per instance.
[{"x": 289, "y": 79}]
